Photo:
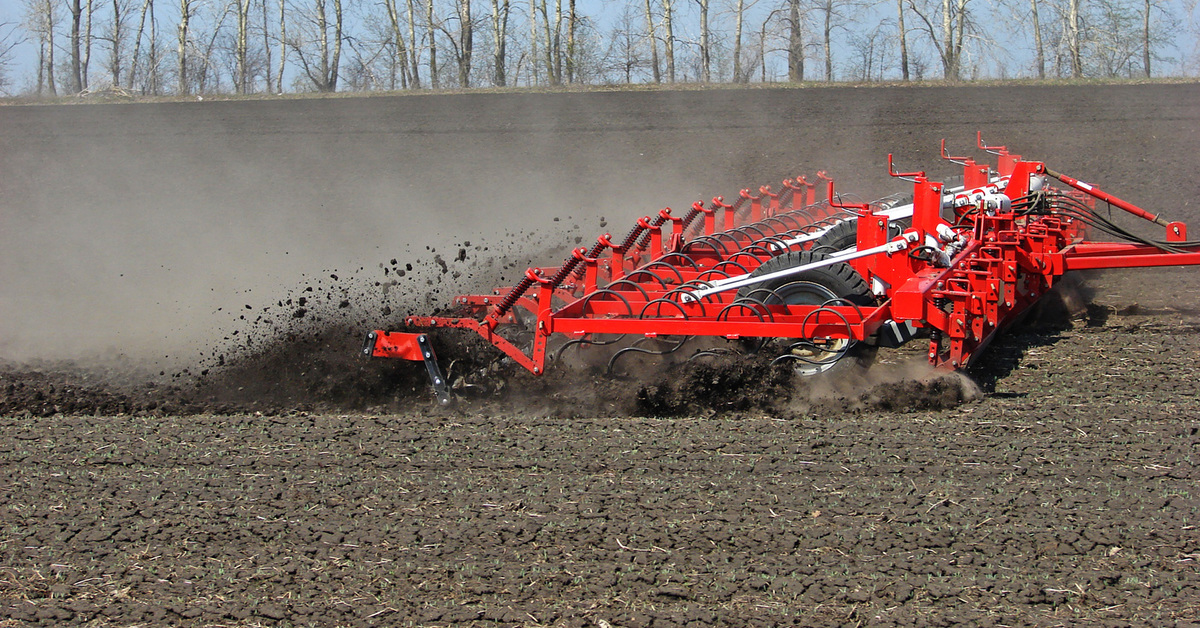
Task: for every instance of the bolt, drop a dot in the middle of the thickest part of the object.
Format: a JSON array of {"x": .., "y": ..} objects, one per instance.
[{"x": 537, "y": 370}]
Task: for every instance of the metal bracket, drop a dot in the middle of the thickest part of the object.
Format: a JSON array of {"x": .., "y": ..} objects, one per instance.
[{"x": 435, "y": 373}]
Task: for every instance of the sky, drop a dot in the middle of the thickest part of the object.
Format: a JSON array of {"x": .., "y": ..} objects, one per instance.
[{"x": 1009, "y": 48}]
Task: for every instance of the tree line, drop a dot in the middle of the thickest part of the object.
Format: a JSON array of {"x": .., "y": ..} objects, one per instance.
[{"x": 246, "y": 46}]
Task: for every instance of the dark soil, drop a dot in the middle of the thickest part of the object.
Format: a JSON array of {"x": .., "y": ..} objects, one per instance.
[{"x": 282, "y": 480}]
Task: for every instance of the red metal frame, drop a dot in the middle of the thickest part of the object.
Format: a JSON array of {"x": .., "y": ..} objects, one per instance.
[{"x": 1000, "y": 262}]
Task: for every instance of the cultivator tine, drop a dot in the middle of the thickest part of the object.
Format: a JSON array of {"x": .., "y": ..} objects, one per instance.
[{"x": 411, "y": 347}]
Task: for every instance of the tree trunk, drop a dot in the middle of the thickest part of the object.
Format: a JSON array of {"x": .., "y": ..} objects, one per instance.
[
  {"x": 185, "y": 10},
  {"x": 1146, "y": 39},
  {"x": 334, "y": 69},
  {"x": 266, "y": 33},
  {"x": 282, "y": 47},
  {"x": 400, "y": 56},
  {"x": 41, "y": 71},
  {"x": 153, "y": 79},
  {"x": 466, "y": 36},
  {"x": 118, "y": 34},
  {"x": 433, "y": 77},
  {"x": 828, "y": 40},
  {"x": 571, "y": 22},
  {"x": 137, "y": 43},
  {"x": 1073, "y": 43},
  {"x": 949, "y": 65},
  {"x": 86, "y": 62},
  {"x": 650, "y": 29},
  {"x": 500, "y": 35},
  {"x": 737, "y": 42},
  {"x": 548, "y": 46},
  {"x": 76, "y": 10},
  {"x": 242, "y": 52},
  {"x": 795, "y": 43},
  {"x": 1039, "y": 50},
  {"x": 669, "y": 40},
  {"x": 414, "y": 57},
  {"x": 705, "y": 62},
  {"x": 558, "y": 53},
  {"x": 535, "y": 74},
  {"x": 903, "y": 40}
]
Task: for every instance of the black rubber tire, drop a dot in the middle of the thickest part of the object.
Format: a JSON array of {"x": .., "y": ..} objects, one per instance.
[
  {"x": 844, "y": 235},
  {"x": 838, "y": 280}
]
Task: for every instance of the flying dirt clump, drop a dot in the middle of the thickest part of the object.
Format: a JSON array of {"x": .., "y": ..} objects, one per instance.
[{"x": 304, "y": 351}]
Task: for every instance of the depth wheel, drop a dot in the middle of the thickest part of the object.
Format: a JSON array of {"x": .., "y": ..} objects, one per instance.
[
  {"x": 844, "y": 235},
  {"x": 836, "y": 284}
]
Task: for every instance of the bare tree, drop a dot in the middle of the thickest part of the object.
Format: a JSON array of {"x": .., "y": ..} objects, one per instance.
[
  {"x": 324, "y": 32},
  {"x": 9, "y": 39},
  {"x": 1146, "y": 37},
  {"x": 41, "y": 20},
  {"x": 283, "y": 49},
  {"x": 1074, "y": 39},
  {"x": 650, "y": 29},
  {"x": 572, "y": 28},
  {"x": 557, "y": 43},
  {"x": 186, "y": 9},
  {"x": 266, "y": 44},
  {"x": 903, "y": 35},
  {"x": 500, "y": 13},
  {"x": 75, "y": 9},
  {"x": 535, "y": 73},
  {"x": 739, "y": 12},
  {"x": 795, "y": 42},
  {"x": 833, "y": 17},
  {"x": 431, "y": 28},
  {"x": 153, "y": 81},
  {"x": 705, "y": 58},
  {"x": 86, "y": 59},
  {"x": 626, "y": 46},
  {"x": 1038, "y": 47},
  {"x": 550, "y": 46},
  {"x": 116, "y": 39},
  {"x": 949, "y": 36},
  {"x": 400, "y": 51},
  {"x": 1114, "y": 40},
  {"x": 872, "y": 48},
  {"x": 462, "y": 42},
  {"x": 241, "y": 82},
  {"x": 137, "y": 42},
  {"x": 669, "y": 39},
  {"x": 414, "y": 63}
]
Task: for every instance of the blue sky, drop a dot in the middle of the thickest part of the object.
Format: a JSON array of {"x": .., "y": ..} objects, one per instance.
[{"x": 1009, "y": 48}]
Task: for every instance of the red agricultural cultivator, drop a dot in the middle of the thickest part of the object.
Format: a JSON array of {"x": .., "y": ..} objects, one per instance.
[{"x": 821, "y": 283}]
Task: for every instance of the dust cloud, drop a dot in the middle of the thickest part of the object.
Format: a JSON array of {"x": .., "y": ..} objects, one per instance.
[{"x": 148, "y": 231}]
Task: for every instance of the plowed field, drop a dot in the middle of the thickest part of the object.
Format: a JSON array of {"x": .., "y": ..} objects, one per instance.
[{"x": 293, "y": 485}]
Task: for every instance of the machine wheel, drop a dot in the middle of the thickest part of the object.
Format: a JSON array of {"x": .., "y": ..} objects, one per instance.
[
  {"x": 818, "y": 286},
  {"x": 844, "y": 235}
]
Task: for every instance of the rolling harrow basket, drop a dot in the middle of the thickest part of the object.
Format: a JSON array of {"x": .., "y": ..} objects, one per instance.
[{"x": 821, "y": 283}]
